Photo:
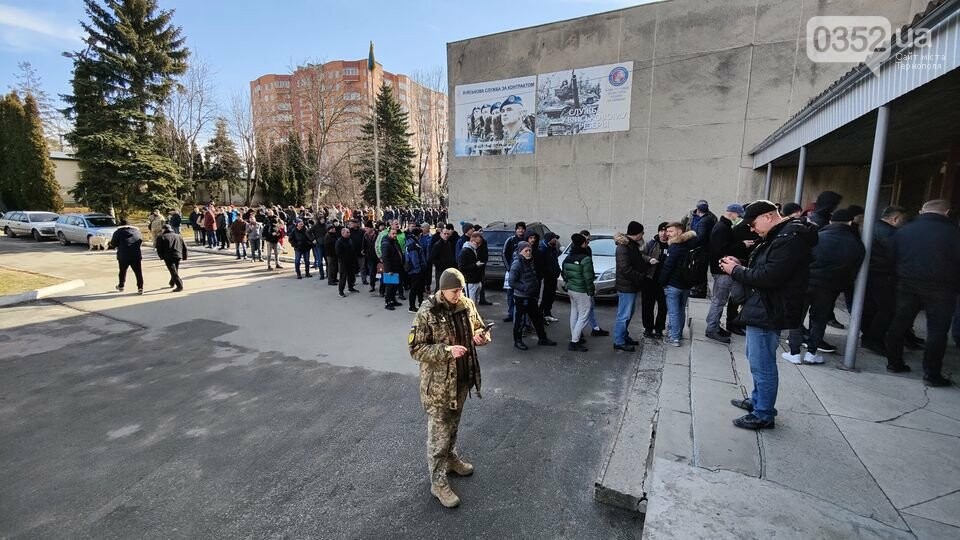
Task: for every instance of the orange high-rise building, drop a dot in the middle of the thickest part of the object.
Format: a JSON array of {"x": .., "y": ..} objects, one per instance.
[{"x": 332, "y": 100}]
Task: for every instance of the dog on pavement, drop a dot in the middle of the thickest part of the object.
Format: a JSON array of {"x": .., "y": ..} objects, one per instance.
[{"x": 98, "y": 242}]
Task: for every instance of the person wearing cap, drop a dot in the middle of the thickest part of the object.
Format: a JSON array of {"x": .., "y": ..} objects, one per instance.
[
  {"x": 302, "y": 246},
  {"x": 471, "y": 267},
  {"x": 578, "y": 278},
  {"x": 653, "y": 301},
  {"x": 776, "y": 279},
  {"x": 464, "y": 238},
  {"x": 509, "y": 250},
  {"x": 791, "y": 210},
  {"x": 836, "y": 261},
  {"x": 493, "y": 131},
  {"x": 927, "y": 252},
  {"x": 548, "y": 253},
  {"x": 702, "y": 221},
  {"x": 523, "y": 282},
  {"x": 722, "y": 244},
  {"x": 631, "y": 269},
  {"x": 444, "y": 338},
  {"x": 517, "y": 139}
]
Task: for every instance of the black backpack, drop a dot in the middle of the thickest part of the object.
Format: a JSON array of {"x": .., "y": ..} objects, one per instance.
[
  {"x": 270, "y": 233},
  {"x": 693, "y": 267}
]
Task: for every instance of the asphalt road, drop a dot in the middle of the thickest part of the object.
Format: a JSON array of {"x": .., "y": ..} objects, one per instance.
[{"x": 257, "y": 405}]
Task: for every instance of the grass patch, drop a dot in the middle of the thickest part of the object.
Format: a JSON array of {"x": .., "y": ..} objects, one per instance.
[{"x": 16, "y": 281}]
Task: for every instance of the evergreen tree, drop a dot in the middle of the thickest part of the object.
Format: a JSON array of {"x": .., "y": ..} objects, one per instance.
[
  {"x": 396, "y": 155},
  {"x": 223, "y": 164},
  {"x": 27, "y": 177},
  {"x": 119, "y": 82},
  {"x": 55, "y": 125}
]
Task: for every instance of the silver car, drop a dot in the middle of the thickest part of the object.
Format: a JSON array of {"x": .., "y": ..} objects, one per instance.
[
  {"x": 80, "y": 227},
  {"x": 604, "y": 256},
  {"x": 39, "y": 225}
]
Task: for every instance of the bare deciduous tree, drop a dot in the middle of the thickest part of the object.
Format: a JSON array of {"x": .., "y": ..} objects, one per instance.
[
  {"x": 189, "y": 111},
  {"x": 243, "y": 130},
  {"x": 430, "y": 118}
]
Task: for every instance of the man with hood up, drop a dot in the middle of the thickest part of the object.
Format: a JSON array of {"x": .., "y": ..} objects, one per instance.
[
  {"x": 776, "y": 280},
  {"x": 827, "y": 202}
]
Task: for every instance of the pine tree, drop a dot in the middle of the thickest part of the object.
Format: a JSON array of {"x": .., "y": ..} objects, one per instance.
[
  {"x": 27, "y": 177},
  {"x": 223, "y": 164},
  {"x": 396, "y": 155},
  {"x": 119, "y": 82}
]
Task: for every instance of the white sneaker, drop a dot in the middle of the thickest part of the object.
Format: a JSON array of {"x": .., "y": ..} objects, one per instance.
[
  {"x": 809, "y": 358},
  {"x": 551, "y": 318},
  {"x": 792, "y": 358}
]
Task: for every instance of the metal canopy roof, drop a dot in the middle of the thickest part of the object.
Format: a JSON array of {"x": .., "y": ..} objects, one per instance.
[{"x": 860, "y": 91}]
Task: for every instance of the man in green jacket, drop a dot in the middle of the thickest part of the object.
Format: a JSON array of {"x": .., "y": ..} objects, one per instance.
[{"x": 578, "y": 277}]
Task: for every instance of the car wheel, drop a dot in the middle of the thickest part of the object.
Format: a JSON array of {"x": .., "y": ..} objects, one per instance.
[
  {"x": 9, "y": 232},
  {"x": 36, "y": 235},
  {"x": 63, "y": 239}
]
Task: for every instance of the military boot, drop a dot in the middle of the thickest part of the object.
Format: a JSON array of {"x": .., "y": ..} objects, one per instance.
[
  {"x": 459, "y": 467},
  {"x": 445, "y": 495}
]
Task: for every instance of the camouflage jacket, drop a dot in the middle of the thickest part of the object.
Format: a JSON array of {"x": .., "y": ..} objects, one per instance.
[{"x": 433, "y": 331}]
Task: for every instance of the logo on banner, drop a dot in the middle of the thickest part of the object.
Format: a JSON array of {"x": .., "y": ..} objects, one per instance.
[{"x": 618, "y": 76}]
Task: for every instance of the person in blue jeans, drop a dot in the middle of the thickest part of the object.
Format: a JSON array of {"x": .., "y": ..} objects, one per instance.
[
  {"x": 776, "y": 280},
  {"x": 631, "y": 269},
  {"x": 675, "y": 281}
]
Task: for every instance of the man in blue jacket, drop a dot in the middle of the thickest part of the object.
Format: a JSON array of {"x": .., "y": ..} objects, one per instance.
[
  {"x": 777, "y": 282},
  {"x": 928, "y": 258}
]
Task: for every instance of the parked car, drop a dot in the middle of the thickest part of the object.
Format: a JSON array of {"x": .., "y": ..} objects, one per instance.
[
  {"x": 39, "y": 225},
  {"x": 496, "y": 234},
  {"x": 604, "y": 250},
  {"x": 80, "y": 227}
]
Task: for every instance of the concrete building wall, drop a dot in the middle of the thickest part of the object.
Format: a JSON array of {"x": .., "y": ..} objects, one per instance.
[
  {"x": 67, "y": 172},
  {"x": 712, "y": 78}
]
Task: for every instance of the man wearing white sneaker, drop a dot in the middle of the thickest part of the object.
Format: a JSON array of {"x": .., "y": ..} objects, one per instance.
[{"x": 836, "y": 261}]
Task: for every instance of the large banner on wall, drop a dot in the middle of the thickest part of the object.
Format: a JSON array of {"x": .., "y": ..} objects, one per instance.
[
  {"x": 584, "y": 100},
  {"x": 495, "y": 118}
]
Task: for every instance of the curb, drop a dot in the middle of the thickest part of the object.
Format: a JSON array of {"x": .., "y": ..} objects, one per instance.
[{"x": 38, "y": 294}]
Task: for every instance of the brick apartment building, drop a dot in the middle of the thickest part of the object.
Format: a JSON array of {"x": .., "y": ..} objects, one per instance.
[{"x": 343, "y": 93}]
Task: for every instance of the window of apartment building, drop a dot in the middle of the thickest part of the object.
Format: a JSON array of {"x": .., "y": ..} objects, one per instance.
[
  {"x": 283, "y": 118},
  {"x": 351, "y": 96},
  {"x": 257, "y": 89},
  {"x": 352, "y": 109},
  {"x": 281, "y": 84},
  {"x": 403, "y": 86},
  {"x": 351, "y": 71},
  {"x": 283, "y": 106},
  {"x": 388, "y": 82}
]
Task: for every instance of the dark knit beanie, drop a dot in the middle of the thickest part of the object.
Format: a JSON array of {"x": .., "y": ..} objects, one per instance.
[
  {"x": 578, "y": 239},
  {"x": 634, "y": 228},
  {"x": 451, "y": 278}
]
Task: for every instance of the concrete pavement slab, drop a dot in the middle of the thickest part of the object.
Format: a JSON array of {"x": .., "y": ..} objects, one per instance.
[
  {"x": 944, "y": 509},
  {"x": 911, "y": 466},
  {"x": 809, "y": 454},
  {"x": 865, "y": 396},
  {"x": 945, "y": 401},
  {"x": 691, "y": 502},
  {"x": 927, "y": 420},
  {"x": 674, "y": 439},
  {"x": 718, "y": 444},
  {"x": 675, "y": 388},
  {"x": 927, "y": 529},
  {"x": 794, "y": 393},
  {"x": 711, "y": 360},
  {"x": 677, "y": 355}
]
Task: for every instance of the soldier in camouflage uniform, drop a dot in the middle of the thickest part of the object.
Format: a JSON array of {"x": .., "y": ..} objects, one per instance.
[{"x": 444, "y": 337}]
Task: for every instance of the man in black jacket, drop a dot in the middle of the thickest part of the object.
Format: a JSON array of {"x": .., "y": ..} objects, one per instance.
[
  {"x": 302, "y": 244},
  {"x": 549, "y": 254},
  {"x": 702, "y": 221},
  {"x": 330, "y": 250},
  {"x": 777, "y": 282},
  {"x": 927, "y": 252},
  {"x": 171, "y": 250},
  {"x": 836, "y": 260},
  {"x": 509, "y": 250},
  {"x": 441, "y": 254},
  {"x": 127, "y": 240},
  {"x": 346, "y": 261},
  {"x": 880, "y": 302},
  {"x": 470, "y": 266},
  {"x": 631, "y": 267},
  {"x": 744, "y": 242},
  {"x": 392, "y": 259},
  {"x": 722, "y": 244}
]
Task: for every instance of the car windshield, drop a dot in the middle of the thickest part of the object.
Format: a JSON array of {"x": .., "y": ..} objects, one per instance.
[
  {"x": 603, "y": 247},
  {"x": 496, "y": 238},
  {"x": 37, "y": 217},
  {"x": 101, "y": 221}
]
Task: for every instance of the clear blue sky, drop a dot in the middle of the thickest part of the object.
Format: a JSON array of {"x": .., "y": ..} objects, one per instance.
[{"x": 243, "y": 39}]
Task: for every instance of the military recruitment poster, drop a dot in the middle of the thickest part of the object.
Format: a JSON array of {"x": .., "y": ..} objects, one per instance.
[
  {"x": 584, "y": 100},
  {"x": 495, "y": 118}
]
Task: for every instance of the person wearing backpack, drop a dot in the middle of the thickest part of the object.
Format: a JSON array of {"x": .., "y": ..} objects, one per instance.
[
  {"x": 271, "y": 235},
  {"x": 679, "y": 273},
  {"x": 415, "y": 264}
]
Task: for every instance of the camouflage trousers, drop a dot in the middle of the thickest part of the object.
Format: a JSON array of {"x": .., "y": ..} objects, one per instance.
[{"x": 442, "y": 426}]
